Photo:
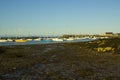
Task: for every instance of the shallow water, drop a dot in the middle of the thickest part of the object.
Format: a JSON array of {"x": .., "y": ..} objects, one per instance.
[{"x": 40, "y": 42}]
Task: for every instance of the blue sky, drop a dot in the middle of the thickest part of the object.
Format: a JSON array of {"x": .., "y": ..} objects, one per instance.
[{"x": 56, "y": 17}]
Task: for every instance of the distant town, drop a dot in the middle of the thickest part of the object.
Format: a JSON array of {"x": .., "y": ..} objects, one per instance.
[
  {"x": 106, "y": 34},
  {"x": 65, "y": 37}
]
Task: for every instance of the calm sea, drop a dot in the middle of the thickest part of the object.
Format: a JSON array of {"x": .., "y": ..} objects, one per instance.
[{"x": 40, "y": 42}]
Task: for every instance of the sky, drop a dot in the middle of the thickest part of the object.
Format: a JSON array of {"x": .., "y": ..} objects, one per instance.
[{"x": 57, "y": 17}]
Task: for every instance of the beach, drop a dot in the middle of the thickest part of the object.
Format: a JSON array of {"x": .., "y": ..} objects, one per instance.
[{"x": 60, "y": 61}]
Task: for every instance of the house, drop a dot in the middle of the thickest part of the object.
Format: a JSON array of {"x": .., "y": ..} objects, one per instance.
[{"x": 109, "y": 34}]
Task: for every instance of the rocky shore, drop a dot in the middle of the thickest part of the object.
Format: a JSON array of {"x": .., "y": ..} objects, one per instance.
[{"x": 61, "y": 61}]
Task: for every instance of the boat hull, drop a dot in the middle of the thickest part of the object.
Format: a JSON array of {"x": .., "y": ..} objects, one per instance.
[
  {"x": 56, "y": 39},
  {"x": 3, "y": 40},
  {"x": 20, "y": 40}
]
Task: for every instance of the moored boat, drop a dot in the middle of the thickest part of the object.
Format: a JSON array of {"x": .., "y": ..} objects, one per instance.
[
  {"x": 9, "y": 40},
  {"x": 57, "y": 39},
  {"x": 20, "y": 40},
  {"x": 37, "y": 39},
  {"x": 3, "y": 40},
  {"x": 70, "y": 39},
  {"x": 29, "y": 39}
]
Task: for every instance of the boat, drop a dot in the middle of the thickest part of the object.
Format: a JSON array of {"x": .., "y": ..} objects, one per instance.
[
  {"x": 57, "y": 39},
  {"x": 3, "y": 40},
  {"x": 20, "y": 40},
  {"x": 9, "y": 40},
  {"x": 29, "y": 39},
  {"x": 37, "y": 39},
  {"x": 70, "y": 39},
  {"x": 94, "y": 38}
]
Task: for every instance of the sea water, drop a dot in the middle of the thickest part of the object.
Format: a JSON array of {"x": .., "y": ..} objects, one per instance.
[{"x": 40, "y": 42}]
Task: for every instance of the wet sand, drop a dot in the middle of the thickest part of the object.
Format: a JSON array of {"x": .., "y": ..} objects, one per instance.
[{"x": 59, "y": 61}]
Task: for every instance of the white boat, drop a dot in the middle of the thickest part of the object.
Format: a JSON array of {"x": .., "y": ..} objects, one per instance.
[
  {"x": 81, "y": 38},
  {"x": 104, "y": 37},
  {"x": 94, "y": 38},
  {"x": 37, "y": 39},
  {"x": 3, "y": 40},
  {"x": 70, "y": 39},
  {"x": 29, "y": 39},
  {"x": 9, "y": 40},
  {"x": 57, "y": 39}
]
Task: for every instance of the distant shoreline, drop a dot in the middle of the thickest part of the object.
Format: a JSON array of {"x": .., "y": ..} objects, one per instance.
[{"x": 39, "y": 42}]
